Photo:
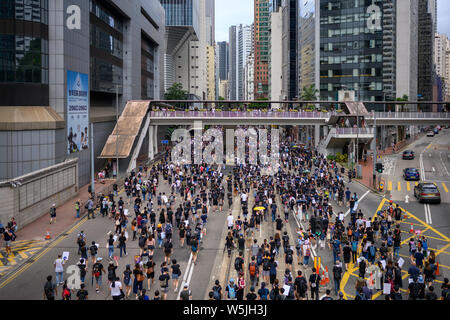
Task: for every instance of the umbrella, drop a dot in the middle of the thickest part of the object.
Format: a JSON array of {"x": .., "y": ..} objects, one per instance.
[{"x": 259, "y": 208}]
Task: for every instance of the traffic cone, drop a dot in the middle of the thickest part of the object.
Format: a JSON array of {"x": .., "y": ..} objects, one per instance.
[
  {"x": 437, "y": 273},
  {"x": 411, "y": 230},
  {"x": 327, "y": 280},
  {"x": 323, "y": 281},
  {"x": 47, "y": 236}
]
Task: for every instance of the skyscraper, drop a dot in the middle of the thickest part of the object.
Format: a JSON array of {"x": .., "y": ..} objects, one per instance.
[
  {"x": 233, "y": 64},
  {"x": 307, "y": 66},
  {"x": 261, "y": 47},
  {"x": 223, "y": 53},
  {"x": 244, "y": 47}
]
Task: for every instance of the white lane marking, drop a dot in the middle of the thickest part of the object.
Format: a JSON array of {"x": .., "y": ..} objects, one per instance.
[
  {"x": 443, "y": 164},
  {"x": 313, "y": 252},
  {"x": 356, "y": 204},
  {"x": 433, "y": 169},
  {"x": 185, "y": 277},
  {"x": 407, "y": 199},
  {"x": 428, "y": 214}
]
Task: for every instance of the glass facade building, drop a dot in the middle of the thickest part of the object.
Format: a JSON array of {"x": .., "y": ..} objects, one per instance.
[
  {"x": 106, "y": 49},
  {"x": 306, "y": 44},
  {"x": 24, "y": 41},
  {"x": 351, "y": 56}
]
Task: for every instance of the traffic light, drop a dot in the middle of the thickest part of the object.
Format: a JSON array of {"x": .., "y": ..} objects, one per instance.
[{"x": 379, "y": 167}]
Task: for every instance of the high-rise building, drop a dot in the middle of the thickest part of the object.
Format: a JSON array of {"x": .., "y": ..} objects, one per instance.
[
  {"x": 210, "y": 22},
  {"x": 442, "y": 61},
  {"x": 351, "y": 54},
  {"x": 249, "y": 78},
  {"x": 426, "y": 72},
  {"x": 117, "y": 45},
  {"x": 185, "y": 60},
  {"x": 276, "y": 51},
  {"x": 289, "y": 11},
  {"x": 223, "y": 89},
  {"x": 223, "y": 53},
  {"x": 181, "y": 26},
  {"x": 233, "y": 74},
  {"x": 211, "y": 73},
  {"x": 307, "y": 42},
  {"x": 406, "y": 55},
  {"x": 244, "y": 47},
  {"x": 261, "y": 47}
]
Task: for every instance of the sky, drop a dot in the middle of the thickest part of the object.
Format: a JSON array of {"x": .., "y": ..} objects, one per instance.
[
  {"x": 443, "y": 9},
  {"x": 233, "y": 12}
]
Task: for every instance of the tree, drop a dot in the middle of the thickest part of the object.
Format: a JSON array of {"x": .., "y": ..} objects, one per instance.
[
  {"x": 221, "y": 98},
  {"x": 176, "y": 92},
  {"x": 404, "y": 98},
  {"x": 259, "y": 105},
  {"x": 309, "y": 94}
]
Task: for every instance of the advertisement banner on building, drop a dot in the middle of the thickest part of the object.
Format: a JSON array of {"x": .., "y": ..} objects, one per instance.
[{"x": 77, "y": 111}]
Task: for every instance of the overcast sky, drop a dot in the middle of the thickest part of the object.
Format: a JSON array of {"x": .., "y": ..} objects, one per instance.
[
  {"x": 443, "y": 16},
  {"x": 233, "y": 12}
]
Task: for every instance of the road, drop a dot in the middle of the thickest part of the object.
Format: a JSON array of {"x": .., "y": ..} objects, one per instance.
[{"x": 27, "y": 282}]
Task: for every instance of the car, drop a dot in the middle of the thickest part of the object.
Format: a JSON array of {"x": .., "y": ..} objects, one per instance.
[
  {"x": 408, "y": 155},
  {"x": 436, "y": 130},
  {"x": 427, "y": 192},
  {"x": 430, "y": 134},
  {"x": 411, "y": 174}
]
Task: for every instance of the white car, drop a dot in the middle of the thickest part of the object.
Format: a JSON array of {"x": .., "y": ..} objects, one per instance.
[{"x": 430, "y": 134}]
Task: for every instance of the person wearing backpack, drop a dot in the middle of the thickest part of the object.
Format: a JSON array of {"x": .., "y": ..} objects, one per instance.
[
  {"x": 390, "y": 245},
  {"x": 126, "y": 278},
  {"x": 50, "y": 289},
  {"x": 291, "y": 294},
  {"x": 239, "y": 264},
  {"x": 289, "y": 257},
  {"x": 372, "y": 253},
  {"x": 360, "y": 295},
  {"x": 82, "y": 266},
  {"x": 263, "y": 292},
  {"x": 337, "y": 276},
  {"x": 272, "y": 270},
  {"x": 97, "y": 270},
  {"x": 300, "y": 286},
  {"x": 314, "y": 282},
  {"x": 241, "y": 287},
  {"x": 253, "y": 271},
  {"x": 168, "y": 249},
  {"x": 231, "y": 290},
  {"x": 414, "y": 290},
  {"x": 82, "y": 294},
  {"x": 217, "y": 291}
]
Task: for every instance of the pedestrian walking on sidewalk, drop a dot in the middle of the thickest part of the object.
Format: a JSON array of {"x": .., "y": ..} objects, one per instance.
[
  {"x": 77, "y": 208},
  {"x": 90, "y": 208},
  {"x": 53, "y": 213}
]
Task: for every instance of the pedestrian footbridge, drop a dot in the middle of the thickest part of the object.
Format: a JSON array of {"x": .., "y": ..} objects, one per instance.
[{"x": 140, "y": 119}]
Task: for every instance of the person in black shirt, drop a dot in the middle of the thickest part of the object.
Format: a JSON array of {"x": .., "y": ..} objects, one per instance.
[
  {"x": 176, "y": 273},
  {"x": 82, "y": 294},
  {"x": 251, "y": 295},
  {"x": 314, "y": 281}
]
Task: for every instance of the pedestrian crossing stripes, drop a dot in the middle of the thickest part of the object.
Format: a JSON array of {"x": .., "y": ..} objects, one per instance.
[
  {"x": 409, "y": 186},
  {"x": 20, "y": 251}
]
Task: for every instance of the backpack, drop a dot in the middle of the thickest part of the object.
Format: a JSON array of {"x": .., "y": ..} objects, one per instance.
[
  {"x": 415, "y": 290},
  {"x": 372, "y": 251},
  {"x": 360, "y": 296},
  {"x": 48, "y": 289},
  {"x": 291, "y": 295},
  {"x": 216, "y": 294},
  {"x": 231, "y": 292},
  {"x": 237, "y": 263},
  {"x": 252, "y": 269},
  {"x": 259, "y": 259},
  {"x": 241, "y": 284},
  {"x": 354, "y": 246},
  {"x": 389, "y": 241},
  {"x": 273, "y": 270},
  {"x": 141, "y": 241},
  {"x": 266, "y": 264},
  {"x": 303, "y": 285},
  {"x": 336, "y": 274},
  {"x": 93, "y": 250},
  {"x": 289, "y": 257},
  {"x": 168, "y": 228}
]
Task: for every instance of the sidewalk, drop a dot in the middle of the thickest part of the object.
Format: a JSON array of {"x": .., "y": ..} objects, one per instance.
[{"x": 65, "y": 215}]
